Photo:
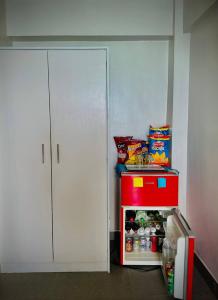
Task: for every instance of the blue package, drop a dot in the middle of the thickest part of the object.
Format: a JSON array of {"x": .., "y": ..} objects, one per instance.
[{"x": 159, "y": 150}]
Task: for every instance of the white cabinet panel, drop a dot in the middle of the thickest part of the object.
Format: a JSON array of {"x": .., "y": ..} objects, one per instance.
[
  {"x": 25, "y": 182},
  {"x": 79, "y": 180}
]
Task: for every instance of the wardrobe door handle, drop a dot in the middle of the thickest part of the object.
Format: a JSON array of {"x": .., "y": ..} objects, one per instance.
[
  {"x": 43, "y": 153},
  {"x": 58, "y": 154}
]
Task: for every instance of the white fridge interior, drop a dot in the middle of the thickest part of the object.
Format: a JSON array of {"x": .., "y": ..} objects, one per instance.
[{"x": 173, "y": 233}]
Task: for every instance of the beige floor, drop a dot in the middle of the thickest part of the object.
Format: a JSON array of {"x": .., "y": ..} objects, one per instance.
[{"x": 121, "y": 284}]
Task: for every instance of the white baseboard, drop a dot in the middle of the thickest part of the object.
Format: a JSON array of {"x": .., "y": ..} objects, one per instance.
[{"x": 54, "y": 267}]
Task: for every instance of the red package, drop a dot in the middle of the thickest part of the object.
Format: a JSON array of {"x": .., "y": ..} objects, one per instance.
[
  {"x": 121, "y": 144},
  {"x": 134, "y": 152}
]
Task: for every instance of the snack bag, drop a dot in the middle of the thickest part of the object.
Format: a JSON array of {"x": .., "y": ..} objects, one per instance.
[
  {"x": 134, "y": 152},
  {"x": 162, "y": 131},
  {"x": 159, "y": 150},
  {"x": 120, "y": 142},
  {"x": 145, "y": 152}
]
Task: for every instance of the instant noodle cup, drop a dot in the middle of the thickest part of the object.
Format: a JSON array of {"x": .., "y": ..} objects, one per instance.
[
  {"x": 159, "y": 150},
  {"x": 161, "y": 131}
]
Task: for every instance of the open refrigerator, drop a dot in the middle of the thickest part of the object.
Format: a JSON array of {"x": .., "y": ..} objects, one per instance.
[{"x": 155, "y": 195}]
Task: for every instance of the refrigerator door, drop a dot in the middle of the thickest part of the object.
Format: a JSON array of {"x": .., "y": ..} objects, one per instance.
[
  {"x": 189, "y": 255},
  {"x": 179, "y": 234}
]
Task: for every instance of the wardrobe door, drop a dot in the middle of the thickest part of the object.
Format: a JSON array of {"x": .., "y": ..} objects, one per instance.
[
  {"x": 77, "y": 80},
  {"x": 25, "y": 172}
]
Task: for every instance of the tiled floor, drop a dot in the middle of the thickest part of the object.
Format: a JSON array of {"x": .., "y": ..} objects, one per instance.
[{"x": 122, "y": 284}]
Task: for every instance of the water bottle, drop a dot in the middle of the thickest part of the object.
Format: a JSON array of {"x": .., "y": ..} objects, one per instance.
[{"x": 169, "y": 253}]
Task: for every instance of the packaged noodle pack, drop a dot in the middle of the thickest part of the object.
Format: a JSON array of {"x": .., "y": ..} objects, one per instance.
[{"x": 159, "y": 150}]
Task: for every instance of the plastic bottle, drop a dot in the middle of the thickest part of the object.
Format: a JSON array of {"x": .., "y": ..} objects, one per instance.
[
  {"x": 147, "y": 243},
  {"x": 142, "y": 243},
  {"x": 171, "y": 282},
  {"x": 169, "y": 253}
]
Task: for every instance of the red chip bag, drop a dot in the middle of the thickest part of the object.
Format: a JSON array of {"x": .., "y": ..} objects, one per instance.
[{"x": 121, "y": 145}]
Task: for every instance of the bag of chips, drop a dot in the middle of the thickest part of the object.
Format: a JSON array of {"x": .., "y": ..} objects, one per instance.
[
  {"x": 134, "y": 152},
  {"x": 145, "y": 152},
  {"x": 121, "y": 145},
  {"x": 159, "y": 150},
  {"x": 161, "y": 131}
]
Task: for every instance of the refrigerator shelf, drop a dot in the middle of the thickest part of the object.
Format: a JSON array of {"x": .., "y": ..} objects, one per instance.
[
  {"x": 153, "y": 221},
  {"x": 143, "y": 258},
  {"x": 150, "y": 235}
]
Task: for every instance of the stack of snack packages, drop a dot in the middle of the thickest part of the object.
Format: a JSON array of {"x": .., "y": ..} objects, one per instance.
[
  {"x": 131, "y": 151},
  {"x": 159, "y": 146},
  {"x": 155, "y": 151}
]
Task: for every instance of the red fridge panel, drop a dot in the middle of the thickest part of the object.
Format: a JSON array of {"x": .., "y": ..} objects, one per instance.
[
  {"x": 122, "y": 234},
  {"x": 149, "y": 189},
  {"x": 190, "y": 268}
]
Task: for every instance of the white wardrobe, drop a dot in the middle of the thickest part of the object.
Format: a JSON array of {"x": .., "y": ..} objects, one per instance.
[{"x": 53, "y": 160}]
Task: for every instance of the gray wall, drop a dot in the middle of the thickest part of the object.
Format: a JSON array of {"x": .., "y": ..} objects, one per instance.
[
  {"x": 2, "y": 21},
  {"x": 4, "y": 41},
  {"x": 89, "y": 17},
  {"x": 193, "y": 9},
  {"x": 202, "y": 196}
]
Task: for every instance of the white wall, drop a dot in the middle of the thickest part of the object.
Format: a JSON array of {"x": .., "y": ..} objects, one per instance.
[
  {"x": 193, "y": 9},
  {"x": 89, "y": 17},
  {"x": 202, "y": 202},
  {"x": 138, "y": 89},
  {"x": 180, "y": 103},
  {"x": 138, "y": 96}
]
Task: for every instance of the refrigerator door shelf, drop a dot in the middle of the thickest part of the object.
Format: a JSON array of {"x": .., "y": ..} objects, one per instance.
[
  {"x": 179, "y": 234},
  {"x": 189, "y": 254}
]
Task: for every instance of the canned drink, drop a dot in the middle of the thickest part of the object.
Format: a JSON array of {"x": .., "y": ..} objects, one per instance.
[
  {"x": 142, "y": 243},
  {"x": 154, "y": 243},
  {"x": 148, "y": 243},
  {"x": 129, "y": 244},
  {"x": 136, "y": 243}
]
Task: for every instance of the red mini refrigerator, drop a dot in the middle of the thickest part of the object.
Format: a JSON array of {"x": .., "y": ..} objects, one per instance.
[{"x": 152, "y": 229}]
